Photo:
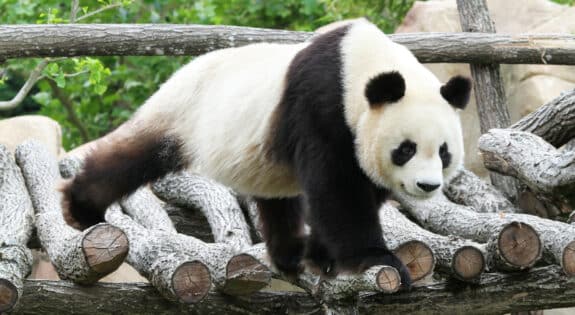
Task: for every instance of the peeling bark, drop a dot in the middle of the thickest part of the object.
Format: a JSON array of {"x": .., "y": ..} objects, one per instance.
[{"x": 83, "y": 257}]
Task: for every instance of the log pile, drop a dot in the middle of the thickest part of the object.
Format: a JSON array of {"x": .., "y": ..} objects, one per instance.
[{"x": 472, "y": 237}]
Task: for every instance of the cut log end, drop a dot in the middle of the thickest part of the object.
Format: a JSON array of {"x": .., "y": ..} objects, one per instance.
[
  {"x": 519, "y": 245},
  {"x": 105, "y": 247},
  {"x": 417, "y": 257},
  {"x": 468, "y": 263},
  {"x": 8, "y": 295},
  {"x": 568, "y": 262},
  {"x": 388, "y": 279},
  {"x": 245, "y": 275},
  {"x": 191, "y": 282}
]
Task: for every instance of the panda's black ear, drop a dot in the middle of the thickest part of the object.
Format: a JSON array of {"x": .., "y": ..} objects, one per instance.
[
  {"x": 386, "y": 87},
  {"x": 456, "y": 91}
]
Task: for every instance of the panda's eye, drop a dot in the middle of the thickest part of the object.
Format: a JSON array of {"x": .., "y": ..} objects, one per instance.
[
  {"x": 444, "y": 155},
  {"x": 404, "y": 152}
]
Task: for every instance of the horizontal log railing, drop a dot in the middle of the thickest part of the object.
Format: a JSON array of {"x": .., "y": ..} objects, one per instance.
[{"x": 67, "y": 40}]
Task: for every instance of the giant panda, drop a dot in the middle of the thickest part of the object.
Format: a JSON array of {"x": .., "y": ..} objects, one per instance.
[{"x": 318, "y": 132}]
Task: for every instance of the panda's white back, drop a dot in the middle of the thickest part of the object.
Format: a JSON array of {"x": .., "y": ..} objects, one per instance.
[{"x": 221, "y": 106}]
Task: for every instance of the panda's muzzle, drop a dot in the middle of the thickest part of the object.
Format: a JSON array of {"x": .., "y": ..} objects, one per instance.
[{"x": 428, "y": 187}]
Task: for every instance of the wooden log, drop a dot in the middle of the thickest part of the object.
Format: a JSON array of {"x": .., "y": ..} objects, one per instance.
[
  {"x": 539, "y": 288},
  {"x": 464, "y": 259},
  {"x": 554, "y": 121},
  {"x": 518, "y": 242},
  {"x": 147, "y": 210},
  {"x": 243, "y": 274},
  {"x": 83, "y": 257},
  {"x": 531, "y": 159},
  {"x": 489, "y": 92},
  {"x": 190, "y": 221},
  {"x": 512, "y": 240},
  {"x": 383, "y": 279},
  {"x": 217, "y": 202},
  {"x": 468, "y": 189},
  {"x": 24, "y": 41},
  {"x": 16, "y": 224}
]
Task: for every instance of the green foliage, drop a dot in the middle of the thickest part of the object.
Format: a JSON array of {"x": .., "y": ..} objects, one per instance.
[
  {"x": 104, "y": 92},
  {"x": 567, "y": 2}
]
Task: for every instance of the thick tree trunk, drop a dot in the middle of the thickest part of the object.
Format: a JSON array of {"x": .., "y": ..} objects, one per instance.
[
  {"x": 22, "y": 41},
  {"x": 83, "y": 257},
  {"x": 16, "y": 224}
]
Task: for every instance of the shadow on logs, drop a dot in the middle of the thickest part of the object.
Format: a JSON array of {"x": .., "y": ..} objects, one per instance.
[{"x": 8, "y": 295}]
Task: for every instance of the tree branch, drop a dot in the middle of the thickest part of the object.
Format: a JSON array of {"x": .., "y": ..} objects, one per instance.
[
  {"x": 34, "y": 77},
  {"x": 72, "y": 117}
]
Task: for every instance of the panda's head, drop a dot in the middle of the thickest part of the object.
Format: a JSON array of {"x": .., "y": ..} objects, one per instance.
[{"x": 410, "y": 139}]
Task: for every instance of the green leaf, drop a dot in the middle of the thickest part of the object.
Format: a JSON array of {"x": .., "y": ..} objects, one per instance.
[{"x": 61, "y": 80}]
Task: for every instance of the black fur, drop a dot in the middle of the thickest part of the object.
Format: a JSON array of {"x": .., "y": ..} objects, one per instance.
[
  {"x": 457, "y": 91},
  {"x": 404, "y": 152},
  {"x": 385, "y": 88},
  {"x": 115, "y": 171},
  {"x": 312, "y": 137},
  {"x": 445, "y": 155},
  {"x": 282, "y": 228}
]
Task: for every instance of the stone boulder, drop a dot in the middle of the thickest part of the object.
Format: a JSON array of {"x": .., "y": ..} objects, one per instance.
[{"x": 15, "y": 130}]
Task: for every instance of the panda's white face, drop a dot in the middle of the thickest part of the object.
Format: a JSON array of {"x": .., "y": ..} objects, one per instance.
[{"x": 411, "y": 146}]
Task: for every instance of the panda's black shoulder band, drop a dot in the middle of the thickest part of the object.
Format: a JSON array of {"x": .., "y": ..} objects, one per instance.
[{"x": 386, "y": 87}]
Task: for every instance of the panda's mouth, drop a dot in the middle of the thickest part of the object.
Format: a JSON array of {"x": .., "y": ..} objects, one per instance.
[{"x": 416, "y": 193}]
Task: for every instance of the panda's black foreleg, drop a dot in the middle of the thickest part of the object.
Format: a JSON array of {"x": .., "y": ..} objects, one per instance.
[
  {"x": 343, "y": 212},
  {"x": 282, "y": 227},
  {"x": 317, "y": 257}
]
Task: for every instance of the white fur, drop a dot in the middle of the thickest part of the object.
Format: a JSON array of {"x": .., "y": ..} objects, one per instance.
[
  {"x": 422, "y": 115},
  {"x": 221, "y": 105}
]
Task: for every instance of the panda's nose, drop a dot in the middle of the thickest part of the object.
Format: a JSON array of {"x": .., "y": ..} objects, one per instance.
[{"x": 428, "y": 187}]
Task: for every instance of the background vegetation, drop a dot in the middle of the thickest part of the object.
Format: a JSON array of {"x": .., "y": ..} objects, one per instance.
[{"x": 90, "y": 96}]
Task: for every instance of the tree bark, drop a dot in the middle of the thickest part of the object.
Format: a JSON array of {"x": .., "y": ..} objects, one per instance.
[
  {"x": 16, "y": 224},
  {"x": 217, "y": 202},
  {"x": 515, "y": 244},
  {"x": 464, "y": 259},
  {"x": 468, "y": 189},
  {"x": 83, "y": 257},
  {"x": 23, "y": 41},
  {"x": 531, "y": 159},
  {"x": 543, "y": 287},
  {"x": 554, "y": 121},
  {"x": 181, "y": 267},
  {"x": 489, "y": 92}
]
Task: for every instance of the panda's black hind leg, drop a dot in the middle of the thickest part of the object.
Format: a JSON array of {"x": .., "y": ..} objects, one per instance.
[{"x": 282, "y": 227}]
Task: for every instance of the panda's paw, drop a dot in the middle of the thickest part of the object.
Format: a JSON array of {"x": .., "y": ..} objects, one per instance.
[
  {"x": 374, "y": 257},
  {"x": 318, "y": 260},
  {"x": 287, "y": 256}
]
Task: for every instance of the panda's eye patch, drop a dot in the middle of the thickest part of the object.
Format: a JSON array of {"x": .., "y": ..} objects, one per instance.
[
  {"x": 444, "y": 155},
  {"x": 404, "y": 152}
]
